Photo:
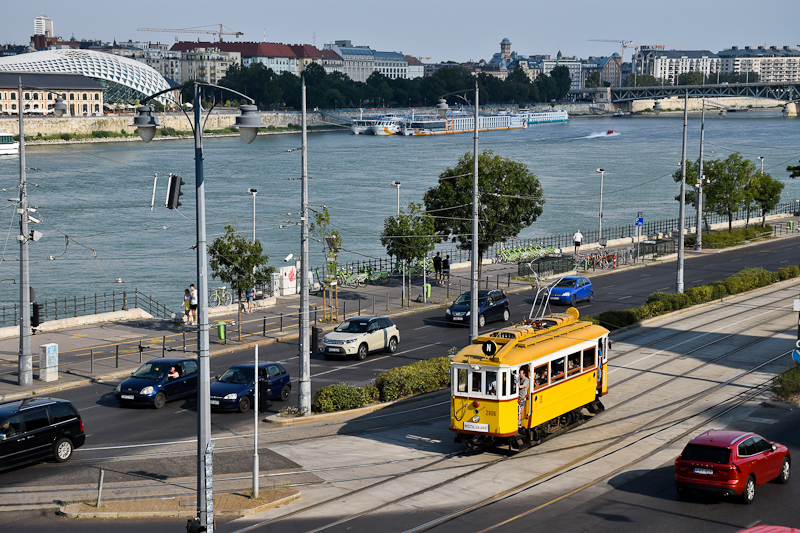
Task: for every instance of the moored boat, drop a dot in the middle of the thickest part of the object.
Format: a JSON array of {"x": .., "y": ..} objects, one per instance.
[
  {"x": 8, "y": 146},
  {"x": 545, "y": 117}
]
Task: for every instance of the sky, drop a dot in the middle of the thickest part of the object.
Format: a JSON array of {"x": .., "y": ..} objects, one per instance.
[{"x": 443, "y": 30}]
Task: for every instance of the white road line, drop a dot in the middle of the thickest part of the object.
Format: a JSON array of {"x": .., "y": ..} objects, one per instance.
[
  {"x": 423, "y": 327},
  {"x": 624, "y": 297}
]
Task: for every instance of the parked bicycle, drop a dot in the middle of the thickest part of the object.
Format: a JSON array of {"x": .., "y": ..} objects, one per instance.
[{"x": 220, "y": 296}]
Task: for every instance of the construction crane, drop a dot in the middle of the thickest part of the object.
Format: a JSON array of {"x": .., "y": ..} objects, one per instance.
[
  {"x": 624, "y": 45},
  {"x": 219, "y": 32}
]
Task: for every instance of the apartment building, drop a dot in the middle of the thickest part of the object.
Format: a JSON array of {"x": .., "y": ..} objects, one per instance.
[{"x": 772, "y": 64}]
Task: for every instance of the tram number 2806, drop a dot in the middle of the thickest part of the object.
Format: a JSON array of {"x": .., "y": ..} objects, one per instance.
[{"x": 491, "y": 413}]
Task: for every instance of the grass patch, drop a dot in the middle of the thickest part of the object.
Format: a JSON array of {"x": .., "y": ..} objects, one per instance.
[
  {"x": 724, "y": 239},
  {"x": 786, "y": 385}
]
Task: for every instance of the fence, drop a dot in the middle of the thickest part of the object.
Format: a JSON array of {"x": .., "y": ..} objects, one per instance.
[{"x": 88, "y": 305}]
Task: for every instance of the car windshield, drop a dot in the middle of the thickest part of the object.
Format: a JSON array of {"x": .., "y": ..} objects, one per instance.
[
  {"x": 465, "y": 298},
  {"x": 353, "y": 326},
  {"x": 706, "y": 454},
  {"x": 238, "y": 375},
  {"x": 152, "y": 371},
  {"x": 566, "y": 283}
]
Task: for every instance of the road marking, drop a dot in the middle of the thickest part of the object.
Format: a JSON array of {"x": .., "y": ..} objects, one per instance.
[
  {"x": 607, "y": 286},
  {"x": 624, "y": 297},
  {"x": 662, "y": 289},
  {"x": 338, "y": 368},
  {"x": 734, "y": 260},
  {"x": 760, "y": 420},
  {"x": 77, "y": 335},
  {"x": 423, "y": 327},
  {"x": 697, "y": 281},
  {"x": 781, "y": 262}
]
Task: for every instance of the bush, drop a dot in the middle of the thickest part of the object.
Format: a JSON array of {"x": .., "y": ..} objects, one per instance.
[
  {"x": 416, "y": 378},
  {"x": 168, "y": 132},
  {"x": 700, "y": 294},
  {"x": 98, "y": 134},
  {"x": 66, "y": 136},
  {"x": 723, "y": 239},
  {"x": 787, "y": 383},
  {"x": 341, "y": 396},
  {"x": 619, "y": 319},
  {"x": 792, "y": 271}
]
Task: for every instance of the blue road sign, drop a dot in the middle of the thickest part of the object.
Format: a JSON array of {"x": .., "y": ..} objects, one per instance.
[
  {"x": 639, "y": 221},
  {"x": 796, "y": 355}
]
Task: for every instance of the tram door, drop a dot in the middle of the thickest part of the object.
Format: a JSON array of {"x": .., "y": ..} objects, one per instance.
[{"x": 602, "y": 359}]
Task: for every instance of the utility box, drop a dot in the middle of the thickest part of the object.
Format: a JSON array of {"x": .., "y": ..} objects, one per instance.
[
  {"x": 48, "y": 362},
  {"x": 288, "y": 280},
  {"x": 275, "y": 284}
]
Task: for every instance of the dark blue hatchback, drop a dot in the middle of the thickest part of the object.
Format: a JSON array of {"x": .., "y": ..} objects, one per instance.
[
  {"x": 159, "y": 381},
  {"x": 233, "y": 390},
  {"x": 492, "y": 305}
]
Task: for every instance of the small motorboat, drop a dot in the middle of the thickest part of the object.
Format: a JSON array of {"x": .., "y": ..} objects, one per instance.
[{"x": 609, "y": 132}]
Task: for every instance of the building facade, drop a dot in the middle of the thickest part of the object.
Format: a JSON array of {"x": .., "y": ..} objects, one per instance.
[
  {"x": 358, "y": 62},
  {"x": 391, "y": 64},
  {"x": 415, "y": 67},
  {"x": 772, "y": 64},
  {"x": 306, "y": 55},
  {"x": 668, "y": 65},
  {"x": 208, "y": 65},
  {"x": 42, "y": 25},
  {"x": 279, "y": 57},
  {"x": 83, "y": 96}
]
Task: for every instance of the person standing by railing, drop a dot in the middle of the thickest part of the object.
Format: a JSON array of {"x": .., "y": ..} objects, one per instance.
[{"x": 193, "y": 303}]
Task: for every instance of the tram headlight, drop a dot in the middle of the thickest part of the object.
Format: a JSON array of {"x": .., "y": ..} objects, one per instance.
[{"x": 476, "y": 419}]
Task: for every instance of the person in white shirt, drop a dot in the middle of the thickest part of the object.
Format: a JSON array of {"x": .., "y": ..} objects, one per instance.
[
  {"x": 577, "y": 240},
  {"x": 193, "y": 302}
]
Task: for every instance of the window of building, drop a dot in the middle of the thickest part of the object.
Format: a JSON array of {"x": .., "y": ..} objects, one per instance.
[
  {"x": 72, "y": 96},
  {"x": 96, "y": 108},
  {"x": 85, "y": 108},
  {"x": 27, "y": 96}
]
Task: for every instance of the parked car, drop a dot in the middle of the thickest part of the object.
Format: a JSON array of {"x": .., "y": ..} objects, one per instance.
[
  {"x": 234, "y": 390},
  {"x": 731, "y": 463},
  {"x": 572, "y": 289},
  {"x": 151, "y": 384},
  {"x": 359, "y": 335},
  {"x": 492, "y": 305},
  {"x": 38, "y": 428}
]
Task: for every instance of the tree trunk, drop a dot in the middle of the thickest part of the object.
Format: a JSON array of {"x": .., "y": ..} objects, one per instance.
[
  {"x": 730, "y": 221},
  {"x": 480, "y": 266},
  {"x": 705, "y": 219},
  {"x": 747, "y": 222}
]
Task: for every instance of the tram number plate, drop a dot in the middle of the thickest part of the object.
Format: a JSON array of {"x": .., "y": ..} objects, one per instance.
[
  {"x": 214, "y": 402},
  {"x": 705, "y": 471},
  {"x": 126, "y": 396},
  {"x": 470, "y": 426}
]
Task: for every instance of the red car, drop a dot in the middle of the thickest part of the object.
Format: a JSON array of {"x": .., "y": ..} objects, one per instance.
[{"x": 731, "y": 463}]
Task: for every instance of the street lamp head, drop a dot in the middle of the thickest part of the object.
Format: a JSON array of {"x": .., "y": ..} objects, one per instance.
[
  {"x": 658, "y": 108},
  {"x": 396, "y": 183},
  {"x": 59, "y": 107},
  {"x": 252, "y": 191},
  {"x": 248, "y": 122},
  {"x": 442, "y": 107},
  {"x": 599, "y": 170},
  {"x": 145, "y": 123}
]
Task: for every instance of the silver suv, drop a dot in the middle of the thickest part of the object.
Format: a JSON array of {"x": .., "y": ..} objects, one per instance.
[{"x": 359, "y": 335}]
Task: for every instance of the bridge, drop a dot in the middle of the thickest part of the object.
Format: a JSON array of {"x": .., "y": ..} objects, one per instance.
[{"x": 788, "y": 92}]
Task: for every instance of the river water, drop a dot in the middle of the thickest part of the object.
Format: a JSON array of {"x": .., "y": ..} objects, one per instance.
[{"x": 99, "y": 194}]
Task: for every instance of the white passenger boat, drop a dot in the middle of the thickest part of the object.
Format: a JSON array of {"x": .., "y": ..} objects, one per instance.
[
  {"x": 388, "y": 125},
  {"x": 544, "y": 117},
  {"x": 462, "y": 123},
  {"x": 8, "y": 146},
  {"x": 362, "y": 125}
]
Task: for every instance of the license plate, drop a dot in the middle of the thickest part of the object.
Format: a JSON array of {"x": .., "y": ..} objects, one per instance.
[
  {"x": 214, "y": 402},
  {"x": 458, "y": 318},
  {"x": 127, "y": 396},
  {"x": 704, "y": 471},
  {"x": 337, "y": 350},
  {"x": 470, "y": 426}
]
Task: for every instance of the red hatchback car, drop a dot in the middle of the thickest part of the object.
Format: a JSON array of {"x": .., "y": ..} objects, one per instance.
[{"x": 731, "y": 463}]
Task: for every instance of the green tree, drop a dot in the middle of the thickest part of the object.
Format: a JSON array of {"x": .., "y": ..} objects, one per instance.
[
  {"x": 510, "y": 199},
  {"x": 563, "y": 82},
  {"x": 409, "y": 236},
  {"x": 726, "y": 182},
  {"x": 795, "y": 171},
  {"x": 690, "y": 78},
  {"x": 240, "y": 263},
  {"x": 765, "y": 192},
  {"x": 594, "y": 80},
  {"x": 331, "y": 241}
]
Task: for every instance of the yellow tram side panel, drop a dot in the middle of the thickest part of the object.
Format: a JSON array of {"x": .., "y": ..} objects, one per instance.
[
  {"x": 500, "y": 415},
  {"x": 561, "y": 397}
]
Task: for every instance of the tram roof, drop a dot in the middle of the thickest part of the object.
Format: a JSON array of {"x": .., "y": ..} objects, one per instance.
[{"x": 521, "y": 343}]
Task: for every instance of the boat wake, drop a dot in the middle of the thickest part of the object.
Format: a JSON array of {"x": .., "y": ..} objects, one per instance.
[{"x": 609, "y": 133}]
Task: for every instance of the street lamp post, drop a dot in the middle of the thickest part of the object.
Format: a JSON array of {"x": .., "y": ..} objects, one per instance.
[
  {"x": 25, "y": 361},
  {"x": 600, "y": 226},
  {"x": 248, "y": 123},
  {"x": 254, "y": 192},
  {"x": 403, "y": 267},
  {"x": 761, "y": 157},
  {"x": 698, "y": 241},
  {"x": 397, "y": 184},
  {"x": 682, "y": 204}
]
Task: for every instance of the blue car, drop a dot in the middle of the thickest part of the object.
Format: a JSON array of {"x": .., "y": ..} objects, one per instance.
[
  {"x": 158, "y": 381},
  {"x": 233, "y": 390},
  {"x": 492, "y": 305},
  {"x": 571, "y": 289}
]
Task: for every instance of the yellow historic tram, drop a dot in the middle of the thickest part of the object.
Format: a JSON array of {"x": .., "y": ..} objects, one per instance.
[{"x": 565, "y": 360}]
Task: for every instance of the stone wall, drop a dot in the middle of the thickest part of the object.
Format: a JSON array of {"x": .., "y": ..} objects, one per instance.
[
  {"x": 696, "y": 104},
  {"x": 86, "y": 125}
]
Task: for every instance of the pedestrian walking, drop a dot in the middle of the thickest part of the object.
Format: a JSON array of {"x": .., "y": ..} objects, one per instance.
[
  {"x": 251, "y": 294},
  {"x": 577, "y": 239},
  {"x": 437, "y": 267},
  {"x": 446, "y": 270},
  {"x": 193, "y": 302},
  {"x": 187, "y": 309}
]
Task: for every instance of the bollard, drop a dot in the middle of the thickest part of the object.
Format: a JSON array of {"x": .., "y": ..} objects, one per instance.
[
  {"x": 140, "y": 352},
  {"x": 264, "y": 327},
  {"x": 117, "y": 357},
  {"x": 163, "y": 345},
  {"x": 498, "y": 281},
  {"x": 91, "y": 361},
  {"x": 344, "y": 310},
  {"x": 226, "y": 333},
  {"x": 373, "y": 306},
  {"x": 281, "y": 322},
  {"x": 184, "y": 342},
  {"x": 487, "y": 284},
  {"x": 508, "y": 283},
  {"x": 100, "y": 488},
  {"x": 359, "y": 307},
  {"x": 315, "y": 312},
  {"x": 387, "y": 302}
]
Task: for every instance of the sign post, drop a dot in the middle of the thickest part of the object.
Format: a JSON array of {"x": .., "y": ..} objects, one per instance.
[{"x": 639, "y": 224}]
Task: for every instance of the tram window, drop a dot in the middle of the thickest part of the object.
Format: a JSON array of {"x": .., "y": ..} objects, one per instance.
[
  {"x": 540, "y": 376},
  {"x": 557, "y": 369},
  {"x": 477, "y": 382},
  {"x": 462, "y": 379},
  {"x": 504, "y": 383},
  {"x": 514, "y": 383},
  {"x": 574, "y": 363},
  {"x": 588, "y": 358},
  {"x": 491, "y": 383}
]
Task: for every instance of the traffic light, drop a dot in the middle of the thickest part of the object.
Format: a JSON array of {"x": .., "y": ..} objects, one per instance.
[{"x": 174, "y": 191}]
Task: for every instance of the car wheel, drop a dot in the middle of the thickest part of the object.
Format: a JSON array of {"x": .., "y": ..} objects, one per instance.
[
  {"x": 62, "y": 450},
  {"x": 160, "y": 400},
  {"x": 749, "y": 493},
  {"x": 683, "y": 493},
  {"x": 285, "y": 392},
  {"x": 362, "y": 352},
  {"x": 785, "y": 471},
  {"x": 244, "y": 404},
  {"x": 481, "y": 321},
  {"x": 573, "y": 300},
  {"x": 392, "y": 347},
  {"x": 591, "y": 296},
  {"x": 506, "y": 315}
]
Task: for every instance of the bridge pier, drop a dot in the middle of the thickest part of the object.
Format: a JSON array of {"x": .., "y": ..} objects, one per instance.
[{"x": 791, "y": 109}]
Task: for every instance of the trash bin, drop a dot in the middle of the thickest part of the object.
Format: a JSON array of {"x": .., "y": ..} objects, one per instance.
[
  {"x": 315, "y": 339},
  {"x": 221, "y": 330},
  {"x": 791, "y": 225},
  {"x": 427, "y": 290}
]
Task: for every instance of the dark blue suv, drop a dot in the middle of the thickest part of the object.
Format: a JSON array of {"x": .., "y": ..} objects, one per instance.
[
  {"x": 233, "y": 390},
  {"x": 158, "y": 381},
  {"x": 492, "y": 305}
]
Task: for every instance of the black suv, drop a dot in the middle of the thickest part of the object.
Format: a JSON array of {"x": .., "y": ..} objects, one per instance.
[{"x": 37, "y": 428}]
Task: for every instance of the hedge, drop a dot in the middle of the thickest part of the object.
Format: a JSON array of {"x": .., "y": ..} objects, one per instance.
[
  {"x": 787, "y": 383},
  {"x": 661, "y": 303},
  {"x": 416, "y": 378},
  {"x": 723, "y": 239}
]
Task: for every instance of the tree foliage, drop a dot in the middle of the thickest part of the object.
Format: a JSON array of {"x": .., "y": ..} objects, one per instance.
[
  {"x": 410, "y": 235},
  {"x": 764, "y": 193},
  {"x": 794, "y": 171},
  {"x": 510, "y": 199}
]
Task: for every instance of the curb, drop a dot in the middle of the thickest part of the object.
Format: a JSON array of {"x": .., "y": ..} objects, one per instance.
[
  {"x": 780, "y": 405},
  {"x": 277, "y": 419},
  {"x": 73, "y": 511}
]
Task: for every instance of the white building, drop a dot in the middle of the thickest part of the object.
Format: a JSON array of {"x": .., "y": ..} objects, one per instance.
[
  {"x": 415, "y": 67},
  {"x": 773, "y": 64},
  {"x": 391, "y": 64},
  {"x": 42, "y": 25},
  {"x": 669, "y": 64},
  {"x": 207, "y": 64},
  {"x": 573, "y": 64},
  {"x": 358, "y": 62}
]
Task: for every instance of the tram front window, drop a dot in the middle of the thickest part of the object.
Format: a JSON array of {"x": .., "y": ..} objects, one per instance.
[
  {"x": 461, "y": 379},
  {"x": 557, "y": 370},
  {"x": 491, "y": 383},
  {"x": 477, "y": 382}
]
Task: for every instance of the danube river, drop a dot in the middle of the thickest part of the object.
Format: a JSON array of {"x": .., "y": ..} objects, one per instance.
[{"x": 94, "y": 199}]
